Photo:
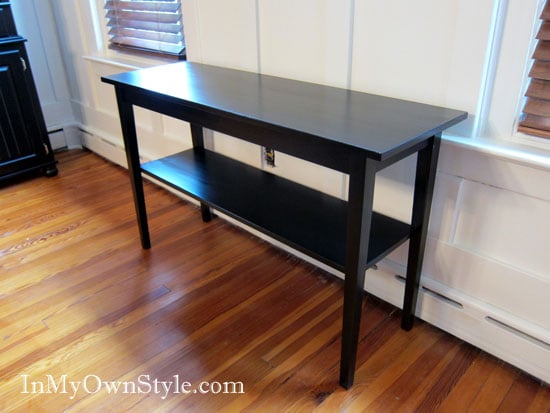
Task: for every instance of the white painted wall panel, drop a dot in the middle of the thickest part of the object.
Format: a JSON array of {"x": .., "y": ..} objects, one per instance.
[
  {"x": 103, "y": 97},
  {"x": 74, "y": 25},
  {"x": 401, "y": 48},
  {"x": 27, "y": 22},
  {"x": 177, "y": 130},
  {"x": 393, "y": 191},
  {"x": 246, "y": 152},
  {"x": 444, "y": 202},
  {"x": 505, "y": 226},
  {"x": 511, "y": 289},
  {"x": 226, "y": 33},
  {"x": 428, "y": 51},
  {"x": 442, "y": 217},
  {"x": 32, "y": 20},
  {"x": 306, "y": 40}
]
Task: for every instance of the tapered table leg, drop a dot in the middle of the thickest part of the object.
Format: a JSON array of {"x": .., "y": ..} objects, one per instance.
[
  {"x": 128, "y": 125},
  {"x": 197, "y": 135},
  {"x": 426, "y": 166},
  {"x": 361, "y": 193}
]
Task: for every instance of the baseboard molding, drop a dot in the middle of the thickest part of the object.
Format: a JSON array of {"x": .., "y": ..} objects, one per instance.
[
  {"x": 491, "y": 329},
  {"x": 65, "y": 136},
  {"x": 104, "y": 148}
]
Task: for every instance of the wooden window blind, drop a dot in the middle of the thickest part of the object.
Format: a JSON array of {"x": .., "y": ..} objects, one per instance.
[
  {"x": 147, "y": 25},
  {"x": 536, "y": 112}
]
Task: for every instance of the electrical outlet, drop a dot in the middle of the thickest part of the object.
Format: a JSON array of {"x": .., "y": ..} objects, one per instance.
[{"x": 269, "y": 156}]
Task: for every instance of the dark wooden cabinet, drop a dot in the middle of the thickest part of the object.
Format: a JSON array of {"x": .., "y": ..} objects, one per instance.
[{"x": 24, "y": 142}]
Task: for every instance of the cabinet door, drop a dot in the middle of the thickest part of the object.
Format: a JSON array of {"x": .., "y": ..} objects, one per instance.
[{"x": 20, "y": 142}]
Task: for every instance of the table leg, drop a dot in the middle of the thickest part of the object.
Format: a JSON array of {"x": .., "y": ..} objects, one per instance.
[
  {"x": 361, "y": 194},
  {"x": 128, "y": 125},
  {"x": 197, "y": 136},
  {"x": 426, "y": 166}
]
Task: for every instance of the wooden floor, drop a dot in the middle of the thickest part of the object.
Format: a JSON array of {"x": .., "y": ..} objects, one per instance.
[{"x": 80, "y": 301}]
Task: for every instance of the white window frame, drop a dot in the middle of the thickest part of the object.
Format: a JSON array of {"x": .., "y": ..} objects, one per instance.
[
  {"x": 103, "y": 52},
  {"x": 515, "y": 23}
]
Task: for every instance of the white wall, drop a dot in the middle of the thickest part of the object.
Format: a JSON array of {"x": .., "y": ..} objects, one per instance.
[
  {"x": 490, "y": 226},
  {"x": 34, "y": 22}
]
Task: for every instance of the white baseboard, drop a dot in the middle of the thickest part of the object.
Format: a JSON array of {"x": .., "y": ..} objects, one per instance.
[
  {"x": 65, "y": 136},
  {"x": 57, "y": 139},
  {"x": 491, "y": 329}
]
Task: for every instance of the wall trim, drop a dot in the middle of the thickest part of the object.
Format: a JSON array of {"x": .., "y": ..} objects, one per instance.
[
  {"x": 526, "y": 155},
  {"x": 500, "y": 9}
]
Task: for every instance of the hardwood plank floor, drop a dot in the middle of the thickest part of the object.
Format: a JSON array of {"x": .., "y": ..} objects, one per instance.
[{"x": 81, "y": 304}]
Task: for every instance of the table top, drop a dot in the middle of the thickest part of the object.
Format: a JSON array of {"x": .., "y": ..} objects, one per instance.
[{"x": 379, "y": 125}]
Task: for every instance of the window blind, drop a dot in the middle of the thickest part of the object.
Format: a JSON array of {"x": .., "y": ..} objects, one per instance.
[
  {"x": 536, "y": 112},
  {"x": 149, "y": 25}
]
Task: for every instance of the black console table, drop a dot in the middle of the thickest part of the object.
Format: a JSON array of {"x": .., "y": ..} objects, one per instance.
[{"x": 355, "y": 133}]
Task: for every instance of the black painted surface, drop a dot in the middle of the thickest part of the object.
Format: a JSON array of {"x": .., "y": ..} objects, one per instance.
[
  {"x": 356, "y": 133},
  {"x": 378, "y": 125},
  {"x": 24, "y": 141},
  {"x": 7, "y": 24},
  {"x": 308, "y": 220}
]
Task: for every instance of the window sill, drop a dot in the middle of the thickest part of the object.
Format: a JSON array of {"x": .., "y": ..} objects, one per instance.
[
  {"x": 127, "y": 61},
  {"x": 518, "y": 153}
]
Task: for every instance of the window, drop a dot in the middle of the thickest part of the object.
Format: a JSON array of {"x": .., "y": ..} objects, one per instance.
[
  {"x": 153, "y": 26},
  {"x": 536, "y": 112}
]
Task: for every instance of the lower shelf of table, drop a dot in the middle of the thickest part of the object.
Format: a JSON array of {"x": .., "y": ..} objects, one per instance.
[{"x": 305, "y": 219}]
